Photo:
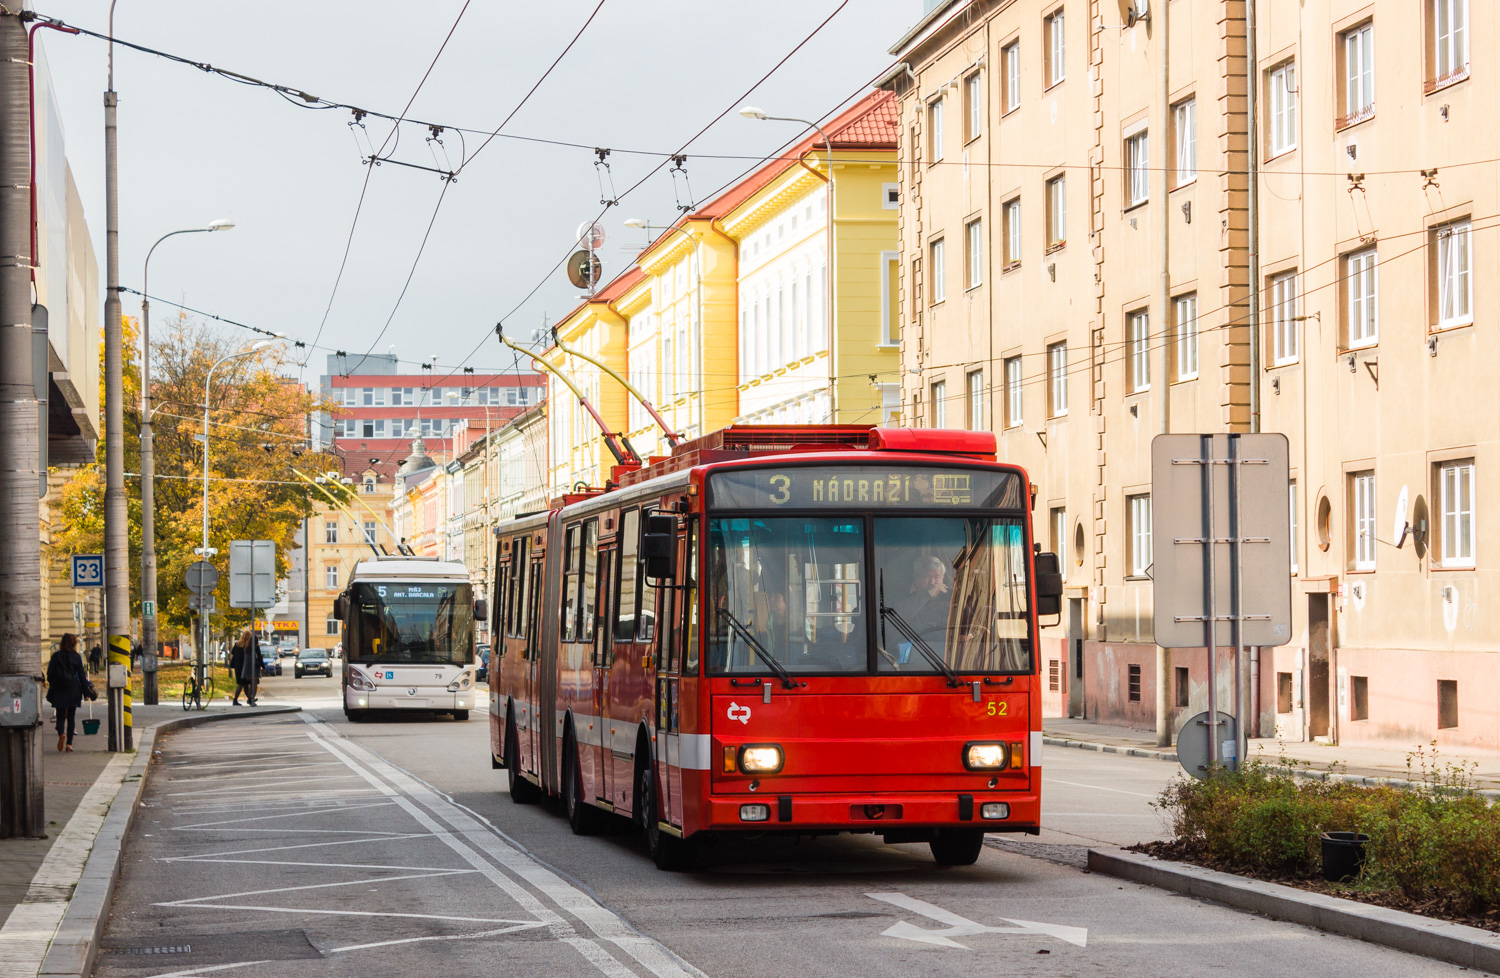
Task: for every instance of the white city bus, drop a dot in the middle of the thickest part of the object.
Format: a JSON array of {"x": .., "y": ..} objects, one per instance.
[{"x": 408, "y": 636}]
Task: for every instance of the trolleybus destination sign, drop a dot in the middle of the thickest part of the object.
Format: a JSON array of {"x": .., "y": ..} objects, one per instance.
[{"x": 813, "y": 486}]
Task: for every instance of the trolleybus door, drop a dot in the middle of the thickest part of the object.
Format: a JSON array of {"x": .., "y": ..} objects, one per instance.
[
  {"x": 621, "y": 697},
  {"x": 598, "y": 747},
  {"x": 541, "y": 709},
  {"x": 673, "y": 642}
]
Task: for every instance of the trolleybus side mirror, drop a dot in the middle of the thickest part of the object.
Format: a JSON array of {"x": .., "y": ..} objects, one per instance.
[
  {"x": 338, "y": 607},
  {"x": 481, "y": 609},
  {"x": 659, "y": 546},
  {"x": 1049, "y": 585}
]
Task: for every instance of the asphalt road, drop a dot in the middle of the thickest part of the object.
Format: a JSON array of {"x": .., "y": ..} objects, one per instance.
[{"x": 303, "y": 845}]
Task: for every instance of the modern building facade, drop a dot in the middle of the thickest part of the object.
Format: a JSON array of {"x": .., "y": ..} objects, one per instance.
[{"x": 1114, "y": 226}]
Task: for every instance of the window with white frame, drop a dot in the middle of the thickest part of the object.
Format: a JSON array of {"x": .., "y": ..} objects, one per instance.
[
  {"x": 1058, "y": 526},
  {"x": 935, "y": 128},
  {"x": 1139, "y": 339},
  {"x": 331, "y": 576},
  {"x": 890, "y": 301},
  {"x": 1362, "y": 324},
  {"x": 1295, "y": 541},
  {"x": 1011, "y": 56},
  {"x": 1455, "y": 284},
  {"x": 1057, "y": 379},
  {"x": 1013, "y": 392},
  {"x": 1186, "y": 309},
  {"x": 940, "y": 404},
  {"x": 1284, "y": 324},
  {"x": 1456, "y": 506},
  {"x": 1137, "y": 169},
  {"x": 1185, "y": 131},
  {"x": 1056, "y": 48},
  {"x": 973, "y": 107},
  {"x": 331, "y": 626},
  {"x": 1359, "y": 73},
  {"x": 975, "y": 398},
  {"x": 1450, "y": 37},
  {"x": 1057, "y": 211},
  {"x": 935, "y": 263},
  {"x": 1139, "y": 514},
  {"x": 1362, "y": 505},
  {"x": 974, "y": 246},
  {"x": 1283, "y": 110},
  {"x": 1013, "y": 233},
  {"x": 369, "y": 531},
  {"x": 330, "y": 531}
]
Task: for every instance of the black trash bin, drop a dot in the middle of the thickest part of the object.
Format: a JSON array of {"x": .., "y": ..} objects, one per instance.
[{"x": 1343, "y": 855}]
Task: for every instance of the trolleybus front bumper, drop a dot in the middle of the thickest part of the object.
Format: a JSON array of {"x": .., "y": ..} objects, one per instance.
[
  {"x": 880, "y": 812},
  {"x": 400, "y": 699}
]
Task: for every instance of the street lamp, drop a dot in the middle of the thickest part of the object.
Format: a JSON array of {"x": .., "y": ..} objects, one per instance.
[
  {"x": 148, "y": 470},
  {"x": 751, "y": 112}
]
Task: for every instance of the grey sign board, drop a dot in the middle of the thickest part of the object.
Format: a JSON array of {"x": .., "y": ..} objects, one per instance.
[
  {"x": 202, "y": 577},
  {"x": 252, "y": 573},
  {"x": 1233, "y": 490}
]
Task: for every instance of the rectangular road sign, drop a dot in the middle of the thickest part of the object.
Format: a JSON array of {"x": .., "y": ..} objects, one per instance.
[
  {"x": 1224, "y": 488},
  {"x": 88, "y": 570},
  {"x": 205, "y": 603},
  {"x": 252, "y": 573}
]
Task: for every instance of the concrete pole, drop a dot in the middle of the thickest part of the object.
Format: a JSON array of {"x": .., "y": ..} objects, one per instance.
[
  {"x": 1160, "y": 26},
  {"x": 148, "y": 508},
  {"x": 21, "y": 810}
]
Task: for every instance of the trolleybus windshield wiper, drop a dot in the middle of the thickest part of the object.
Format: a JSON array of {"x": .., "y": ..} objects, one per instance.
[
  {"x": 912, "y": 636},
  {"x": 760, "y": 650}
]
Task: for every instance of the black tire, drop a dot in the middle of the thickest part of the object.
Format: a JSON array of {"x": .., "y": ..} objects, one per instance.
[
  {"x": 957, "y": 847},
  {"x": 356, "y": 716},
  {"x": 460, "y": 714},
  {"x": 522, "y": 792},
  {"x": 670, "y": 853},
  {"x": 296, "y": 674},
  {"x": 583, "y": 818}
]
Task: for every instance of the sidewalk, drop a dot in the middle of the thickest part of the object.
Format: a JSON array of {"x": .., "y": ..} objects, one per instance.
[{"x": 1317, "y": 759}]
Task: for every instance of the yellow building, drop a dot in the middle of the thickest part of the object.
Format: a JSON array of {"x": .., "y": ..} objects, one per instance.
[{"x": 335, "y": 543}]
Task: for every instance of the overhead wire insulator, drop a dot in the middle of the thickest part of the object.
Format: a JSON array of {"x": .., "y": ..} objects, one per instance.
[
  {"x": 679, "y": 165},
  {"x": 603, "y": 173}
]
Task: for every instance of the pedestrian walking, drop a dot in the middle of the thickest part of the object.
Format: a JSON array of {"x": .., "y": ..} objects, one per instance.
[
  {"x": 243, "y": 661},
  {"x": 96, "y": 659},
  {"x": 67, "y": 684}
]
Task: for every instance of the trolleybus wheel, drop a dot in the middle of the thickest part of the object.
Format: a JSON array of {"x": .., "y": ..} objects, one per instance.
[
  {"x": 460, "y": 714},
  {"x": 522, "y": 792},
  {"x": 355, "y": 716},
  {"x": 957, "y": 847},
  {"x": 667, "y": 851},
  {"x": 583, "y": 818}
]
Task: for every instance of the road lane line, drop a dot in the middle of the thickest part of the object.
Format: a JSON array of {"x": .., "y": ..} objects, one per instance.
[
  {"x": 1096, "y": 787},
  {"x": 195, "y": 901},
  {"x": 214, "y": 856},
  {"x": 265, "y": 818},
  {"x": 439, "y": 937}
]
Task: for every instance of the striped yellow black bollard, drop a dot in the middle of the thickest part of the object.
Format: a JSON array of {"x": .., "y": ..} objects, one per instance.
[{"x": 121, "y": 736}]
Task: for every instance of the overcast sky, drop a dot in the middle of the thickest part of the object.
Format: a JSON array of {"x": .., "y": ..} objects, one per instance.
[{"x": 646, "y": 75}]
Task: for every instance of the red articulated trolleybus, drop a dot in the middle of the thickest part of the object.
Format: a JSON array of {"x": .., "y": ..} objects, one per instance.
[{"x": 798, "y": 629}]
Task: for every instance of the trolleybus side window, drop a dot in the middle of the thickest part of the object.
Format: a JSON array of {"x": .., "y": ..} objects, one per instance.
[
  {"x": 588, "y": 603},
  {"x": 497, "y": 609},
  {"x": 570, "y": 585},
  {"x": 645, "y": 619},
  {"x": 605, "y": 634},
  {"x": 690, "y": 600},
  {"x": 627, "y": 577},
  {"x": 533, "y": 598}
]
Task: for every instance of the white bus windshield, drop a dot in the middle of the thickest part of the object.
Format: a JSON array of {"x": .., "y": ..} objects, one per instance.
[{"x": 411, "y": 623}]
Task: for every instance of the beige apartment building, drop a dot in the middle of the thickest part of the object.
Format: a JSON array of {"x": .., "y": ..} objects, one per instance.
[
  {"x": 1115, "y": 225},
  {"x": 337, "y": 539}
]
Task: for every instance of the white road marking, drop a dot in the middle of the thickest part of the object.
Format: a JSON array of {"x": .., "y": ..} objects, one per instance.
[
  {"x": 1096, "y": 787},
  {"x": 201, "y": 901},
  {"x": 215, "y": 857},
  {"x": 207, "y": 969},
  {"x": 964, "y": 927},
  {"x": 440, "y": 937},
  {"x": 265, "y": 818}
]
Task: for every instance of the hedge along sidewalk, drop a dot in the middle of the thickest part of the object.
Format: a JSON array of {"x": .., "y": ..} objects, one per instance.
[
  {"x": 55, "y": 929},
  {"x": 1470, "y": 947}
]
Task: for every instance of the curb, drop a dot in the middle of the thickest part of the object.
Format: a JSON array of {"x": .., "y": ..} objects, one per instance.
[
  {"x": 74, "y": 947},
  {"x": 1469, "y": 947},
  {"x": 1159, "y": 755}
]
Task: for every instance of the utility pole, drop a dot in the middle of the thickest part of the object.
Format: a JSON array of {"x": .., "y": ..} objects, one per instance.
[
  {"x": 21, "y": 811},
  {"x": 116, "y": 514}
]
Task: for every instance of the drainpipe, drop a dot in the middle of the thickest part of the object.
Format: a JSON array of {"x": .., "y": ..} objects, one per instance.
[
  {"x": 1252, "y": 210},
  {"x": 1161, "y": 26}
]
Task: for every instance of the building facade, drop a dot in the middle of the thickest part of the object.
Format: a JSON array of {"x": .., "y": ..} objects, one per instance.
[
  {"x": 337, "y": 539},
  {"x": 1113, "y": 227}
]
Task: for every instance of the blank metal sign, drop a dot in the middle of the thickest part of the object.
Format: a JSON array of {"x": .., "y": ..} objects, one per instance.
[{"x": 1178, "y": 552}]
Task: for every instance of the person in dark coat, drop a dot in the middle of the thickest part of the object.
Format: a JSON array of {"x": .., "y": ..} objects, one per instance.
[
  {"x": 244, "y": 659},
  {"x": 96, "y": 659},
  {"x": 65, "y": 684}
]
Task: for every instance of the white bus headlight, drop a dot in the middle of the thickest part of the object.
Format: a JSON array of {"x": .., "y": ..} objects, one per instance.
[
  {"x": 464, "y": 681},
  {"x": 358, "y": 681},
  {"x": 761, "y": 758},
  {"x": 985, "y": 757}
]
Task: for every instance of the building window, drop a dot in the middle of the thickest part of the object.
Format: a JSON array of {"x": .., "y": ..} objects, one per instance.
[
  {"x": 935, "y": 128},
  {"x": 1362, "y": 505},
  {"x": 1185, "y": 134},
  {"x": 1057, "y": 527},
  {"x": 973, "y": 107},
  {"x": 976, "y": 400},
  {"x": 940, "y": 404},
  {"x": 1187, "y": 337},
  {"x": 330, "y": 531},
  {"x": 1133, "y": 683},
  {"x": 369, "y": 531},
  {"x": 890, "y": 306},
  {"x": 1284, "y": 325},
  {"x": 1011, "y": 56},
  {"x": 1056, "y": 48},
  {"x": 1359, "y": 697},
  {"x": 331, "y": 576},
  {"x": 1057, "y": 379},
  {"x": 1291, "y": 502},
  {"x": 1057, "y": 212},
  {"x": 1358, "y": 51},
  {"x": 1456, "y": 508},
  {"x": 974, "y": 248},
  {"x": 1455, "y": 284},
  {"x": 369, "y": 485},
  {"x": 1012, "y": 392},
  {"x": 1137, "y": 169},
  {"x": 1361, "y": 324},
  {"x": 1013, "y": 233},
  {"x": 1447, "y": 703},
  {"x": 1139, "y": 508},
  {"x": 331, "y": 626},
  {"x": 1449, "y": 30},
  {"x": 1140, "y": 351},
  {"x": 1283, "y": 123},
  {"x": 935, "y": 251}
]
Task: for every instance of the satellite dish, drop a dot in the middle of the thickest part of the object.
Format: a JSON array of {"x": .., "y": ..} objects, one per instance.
[
  {"x": 584, "y": 269},
  {"x": 1402, "y": 526},
  {"x": 591, "y": 236}
]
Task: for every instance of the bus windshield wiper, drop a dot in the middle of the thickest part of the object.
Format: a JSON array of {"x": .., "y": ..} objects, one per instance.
[
  {"x": 760, "y": 650},
  {"x": 930, "y": 654}
]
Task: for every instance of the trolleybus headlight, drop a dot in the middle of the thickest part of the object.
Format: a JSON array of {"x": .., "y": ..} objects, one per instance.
[
  {"x": 994, "y": 810},
  {"x": 755, "y": 813},
  {"x": 463, "y": 681},
  {"x": 357, "y": 681},
  {"x": 761, "y": 758},
  {"x": 984, "y": 757}
]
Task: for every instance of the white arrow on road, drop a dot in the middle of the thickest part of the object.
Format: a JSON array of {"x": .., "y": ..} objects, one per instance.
[{"x": 964, "y": 927}]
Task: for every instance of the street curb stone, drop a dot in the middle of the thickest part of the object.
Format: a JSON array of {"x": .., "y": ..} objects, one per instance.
[
  {"x": 1160, "y": 755},
  {"x": 75, "y": 946},
  {"x": 1469, "y": 947}
]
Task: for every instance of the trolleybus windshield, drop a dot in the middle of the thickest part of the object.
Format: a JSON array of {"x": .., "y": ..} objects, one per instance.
[{"x": 411, "y": 623}]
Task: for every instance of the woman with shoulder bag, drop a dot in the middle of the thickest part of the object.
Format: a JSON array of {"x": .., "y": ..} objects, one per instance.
[{"x": 67, "y": 683}]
